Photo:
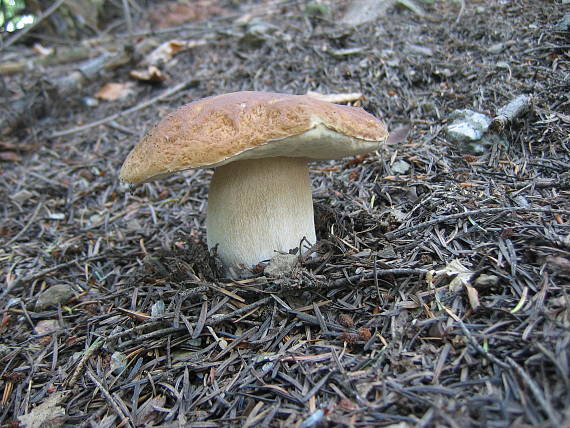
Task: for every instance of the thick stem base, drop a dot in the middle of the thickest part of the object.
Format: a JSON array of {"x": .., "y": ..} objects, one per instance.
[{"x": 260, "y": 206}]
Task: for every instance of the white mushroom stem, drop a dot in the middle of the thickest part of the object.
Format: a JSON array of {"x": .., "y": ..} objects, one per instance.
[{"x": 258, "y": 207}]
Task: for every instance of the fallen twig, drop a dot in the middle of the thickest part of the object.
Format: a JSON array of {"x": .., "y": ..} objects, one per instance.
[
  {"x": 62, "y": 56},
  {"x": 510, "y": 112}
]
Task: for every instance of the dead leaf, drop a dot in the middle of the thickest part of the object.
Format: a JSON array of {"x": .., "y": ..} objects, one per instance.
[
  {"x": 114, "y": 91},
  {"x": 460, "y": 274},
  {"x": 473, "y": 296},
  {"x": 486, "y": 281},
  {"x": 46, "y": 414},
  {"x": 165, "y": 52},
  {"x": 46, "y": 326},
  {"x": 151, "y": 74},
  {"x": 398, "y": 135},
  {"x": 461, "y": 279},
  {"x": 336, "y": 98}
]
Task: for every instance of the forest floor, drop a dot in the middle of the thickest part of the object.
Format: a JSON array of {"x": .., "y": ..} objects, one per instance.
[{"x": 438, "y": 294}]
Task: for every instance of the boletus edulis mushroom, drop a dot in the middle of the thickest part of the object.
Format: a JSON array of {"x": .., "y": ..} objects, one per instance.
[{"x": 259, "y": 143}]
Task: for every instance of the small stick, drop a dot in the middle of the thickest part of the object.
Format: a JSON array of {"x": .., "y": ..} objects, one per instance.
[{"x": 510, "y": 112}]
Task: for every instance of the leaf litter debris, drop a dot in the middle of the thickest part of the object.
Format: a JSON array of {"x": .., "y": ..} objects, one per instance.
[{"x": 436, "y": 296}]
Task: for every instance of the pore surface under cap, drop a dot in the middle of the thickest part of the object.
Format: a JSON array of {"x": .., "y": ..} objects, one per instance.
[{"x": 248, "y": 125}]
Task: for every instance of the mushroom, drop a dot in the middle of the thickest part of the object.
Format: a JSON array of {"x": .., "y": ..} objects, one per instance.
[{"x": 259, "y": 143}]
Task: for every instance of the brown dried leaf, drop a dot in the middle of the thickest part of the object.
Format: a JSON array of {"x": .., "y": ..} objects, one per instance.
[
  {"x": 459, "y": 273},
  {"x": 398, "y": 135},
  {"x": 364, "y": 333},
  {"x": 46, "y": 326},
  {"x": 114, "y": 91},
  {"x": 151, "y": 74},
  {"x": 473, "y": 296},
  {"x": 461, "y": 279},
  {"x": 165, "y": 52},
  {"x": 346, "y": 404}
]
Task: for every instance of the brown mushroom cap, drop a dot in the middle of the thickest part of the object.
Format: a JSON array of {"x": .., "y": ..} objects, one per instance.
[{"x": 249, "y": 125}]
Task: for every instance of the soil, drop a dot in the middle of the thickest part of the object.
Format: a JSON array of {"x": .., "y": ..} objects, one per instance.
[{"x": 437, "y": 294}]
